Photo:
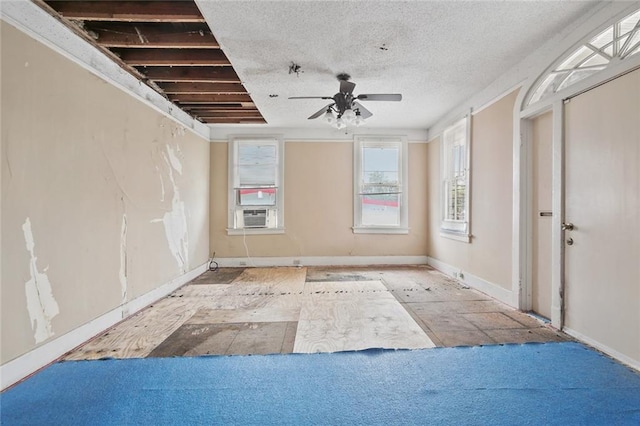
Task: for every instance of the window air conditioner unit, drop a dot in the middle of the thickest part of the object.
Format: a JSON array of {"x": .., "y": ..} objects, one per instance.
[{"x": 255, "y": 218}]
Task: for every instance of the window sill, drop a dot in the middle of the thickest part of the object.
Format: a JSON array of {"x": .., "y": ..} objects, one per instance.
[
  {"x": 455, "y": 235},
  {"x": 379, "y": 230},
  {"x": 255, "y": 231}
]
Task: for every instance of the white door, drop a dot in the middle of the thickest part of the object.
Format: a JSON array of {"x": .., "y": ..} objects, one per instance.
[
  {"x": 541, "y": 149},
  {"x": 602, "y": 201}
]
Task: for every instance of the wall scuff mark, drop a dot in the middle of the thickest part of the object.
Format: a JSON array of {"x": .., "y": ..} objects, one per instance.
[
  {"x": 175, "y": 220},
  {"x": 41, "y": 304},
  {"x": 123, "y": 259}
]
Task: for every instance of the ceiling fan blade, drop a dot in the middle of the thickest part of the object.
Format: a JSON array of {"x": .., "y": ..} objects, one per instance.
[
  {"x": 310, "y": 97},
  {"x": 347, "y": 87},
  {"x": 381, "y": 97},
  {"x": 364, "y": 113},
  {"x": 319, "y": 113}
]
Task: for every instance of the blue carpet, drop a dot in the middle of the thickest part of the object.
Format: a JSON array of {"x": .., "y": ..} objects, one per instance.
[{"x": 552, "y": 383}]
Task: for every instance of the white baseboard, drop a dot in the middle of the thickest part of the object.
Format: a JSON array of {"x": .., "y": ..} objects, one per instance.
[
  {"x": 633, "y": 363},
  {"x": 320, "y": 261},
  {"x": 21, "y": 367},
  {"x": 489, "y": 288}
]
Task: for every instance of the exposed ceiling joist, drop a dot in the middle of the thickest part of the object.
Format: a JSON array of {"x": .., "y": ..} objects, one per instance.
[
  {"x": 205, "y": 99},
  {"x": 148, "y": 35},
  {"x": 173, "y": 57},
  {"x": 169, "y": 46},
  {"x": 229, "y": 114},
  {"x": 129, "y": 11},
  {"x": 191, "y": 74},
  {"x": 204, "y": 88},
  {"x": 227, "y": 120},
  {"x": 204, "y": 109}
]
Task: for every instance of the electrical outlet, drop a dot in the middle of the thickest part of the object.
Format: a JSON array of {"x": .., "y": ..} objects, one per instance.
[
  {"x": 243, "y": 263},
  {"x": 296, "y": 262}
]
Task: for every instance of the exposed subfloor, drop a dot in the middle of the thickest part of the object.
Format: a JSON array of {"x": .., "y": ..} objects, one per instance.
[{"x": 316, "y": 309}]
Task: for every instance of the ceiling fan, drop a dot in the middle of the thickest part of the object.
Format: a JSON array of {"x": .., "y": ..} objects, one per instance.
[{"x": 346, "y": 106}]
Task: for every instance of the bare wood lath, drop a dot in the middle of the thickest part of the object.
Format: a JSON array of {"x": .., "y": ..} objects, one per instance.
[{"x": 167, "y": 45}]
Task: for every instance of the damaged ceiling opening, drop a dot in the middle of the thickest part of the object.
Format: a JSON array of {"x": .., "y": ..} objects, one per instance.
[{"x": 168, "y": 46}]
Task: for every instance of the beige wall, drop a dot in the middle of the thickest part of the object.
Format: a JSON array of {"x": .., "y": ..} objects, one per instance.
[
  {"x": 319, "y": 207},
  {"x": 488, "y": 256},
  {"x": 78, "y": 155}
]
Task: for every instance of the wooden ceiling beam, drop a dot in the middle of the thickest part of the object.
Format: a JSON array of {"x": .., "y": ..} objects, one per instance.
[
  {"x": 191, "y": 74},
  {"x": 129, "y": 11},
  {"x": 236, "y": 114},
  {"x": 173, "y": 57},
  {"x": 235, "y": 121},
  {"x": 204, "y": 88},
  {"x": 146, "y": 35},
  {"x": 207, "y": 110},
  {"x": 206, "y": 99}
]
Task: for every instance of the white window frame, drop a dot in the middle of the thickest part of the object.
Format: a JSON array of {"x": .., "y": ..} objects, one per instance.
[
  {"x": 233, "y": 178},
  {"x": 455, "y": 229},
  {"x": 400, "y": 142}
]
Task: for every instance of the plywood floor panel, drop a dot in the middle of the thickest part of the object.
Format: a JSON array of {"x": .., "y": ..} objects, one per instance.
[
  {"x": 336, "y": 317},
  {"x": 276, "y": 309}
]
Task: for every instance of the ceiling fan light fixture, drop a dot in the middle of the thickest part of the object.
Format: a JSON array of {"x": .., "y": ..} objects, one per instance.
[
  {"x": 329, "y": 117},
  {"x": 349, "y": 116},
  {"x": 359, "y": 121},
  {"x": 339, "y": 124}
]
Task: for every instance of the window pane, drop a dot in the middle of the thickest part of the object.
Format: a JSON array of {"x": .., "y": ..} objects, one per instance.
[
  {"x": 595, "y": 60},
  {"x": 455, "y": 208},
  {"x": 380, "y": 210},
  {"x": 576, "y": 76},
  {"x": 380, "y": 165},
  {"x": 257, "y": 164},
  {"x": 628, "y": 23},
  {"x": 632, "y": 44},
  {"x": 603, "y": 39},
  {"x": 576, "y": 58},
  {"x": 257, "y": 196}
]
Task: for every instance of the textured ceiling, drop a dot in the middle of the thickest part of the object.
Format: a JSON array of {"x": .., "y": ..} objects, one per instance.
[{"x": 435, "y": 53}]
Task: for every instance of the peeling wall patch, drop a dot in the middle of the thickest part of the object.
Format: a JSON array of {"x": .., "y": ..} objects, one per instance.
[
  {"x": 173, "y": 160},
  {"x": 175, "y": 220},
  {"x": 41, "y": 304}
]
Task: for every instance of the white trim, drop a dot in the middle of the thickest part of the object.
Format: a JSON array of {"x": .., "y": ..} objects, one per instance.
[
  {"x": 379, "y": 230},
  {"x": 611, "y": 72},
  {"x": 455, "y": 229},
  {"x": 633, "y": 363},
  {"x": 255, "y": 231},
  {"x": 456, "y": 236},
  {"x": 519, "y": 224},
  {"x": 38, "y": 24},
  {"x": 494, "y": 290},
  {"x": 557, "y": 203},
  {"x": 259, "y": 139},
  {"x": 571, "y": 50},
  {"x": 320, "y": 261},
  {"x": 318, "y": 140},
  {"x": 377, "y": 141},
  {"x": 30, "y": 362},
  {"x": 315, "y": 134}
]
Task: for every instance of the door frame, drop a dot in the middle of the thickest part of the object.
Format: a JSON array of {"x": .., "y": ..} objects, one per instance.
[{"x": 522, "y": 244}]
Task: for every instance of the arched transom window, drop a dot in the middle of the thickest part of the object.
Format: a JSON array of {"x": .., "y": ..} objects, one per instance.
[{"x": 617, "y": 42}]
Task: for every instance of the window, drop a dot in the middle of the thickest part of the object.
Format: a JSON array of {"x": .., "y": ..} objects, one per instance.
[
  {"x": 455, "y": 181},
  {"x": 255, "y": 185},
  {"x": 612, "y": 45},
  {"x": 380, "y": 185}
]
